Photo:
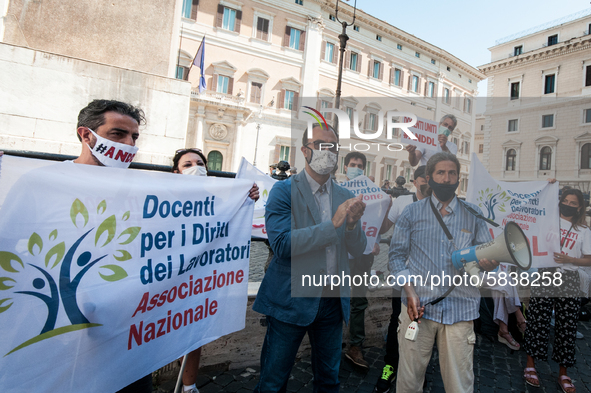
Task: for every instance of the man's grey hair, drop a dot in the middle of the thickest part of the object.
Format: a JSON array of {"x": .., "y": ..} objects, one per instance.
[
  {"x": 452, "y": 118},
  {"x": 439, "y": 157}
]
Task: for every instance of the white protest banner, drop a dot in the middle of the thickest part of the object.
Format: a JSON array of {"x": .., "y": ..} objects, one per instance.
[
  {"x": 532, "y": 205},
  {"x": 377, "y": 203},
  {"x": 426, "y": 132},
  {"x": 247, "y": 171},
  {"x": 108, "y": 274}
]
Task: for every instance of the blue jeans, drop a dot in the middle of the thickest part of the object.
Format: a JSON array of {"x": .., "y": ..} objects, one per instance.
[{"x": 282, "y": 341}]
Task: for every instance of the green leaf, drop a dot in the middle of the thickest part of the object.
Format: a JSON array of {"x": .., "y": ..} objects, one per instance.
[
  {"x": 125, "y": 216},
  {"x": 109, "y": 225},
  {"x": 4, "y": 308},
  {"x": 501, "y": 209},
  {"x": 132, "y": 232},
  {"x": 3, "y": 286},
  {"x": 35, "y": 240},
  {"x": 58, "y": 250},
  {"x": 53, "y": 235},
  {"x": 502, "y": 194},
  {"x": 78, "y": 208},
  {"x": 265, "y": 193},
  {"x": 101, "y": 207},
  {"x": 118, "y": 273},
  {"x": 125, "y": 256},
  {"x": 5, "y": 261}
]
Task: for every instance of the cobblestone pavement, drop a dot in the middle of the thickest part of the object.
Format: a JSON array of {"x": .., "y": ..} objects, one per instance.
[{"x": 497, "y": 369}]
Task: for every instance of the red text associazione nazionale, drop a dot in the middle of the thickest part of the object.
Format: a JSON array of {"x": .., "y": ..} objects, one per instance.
[{"x": 140, "y": 333}]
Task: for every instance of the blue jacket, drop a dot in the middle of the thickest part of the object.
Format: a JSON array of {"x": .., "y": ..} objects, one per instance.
[{"x": 299, "y": 239}]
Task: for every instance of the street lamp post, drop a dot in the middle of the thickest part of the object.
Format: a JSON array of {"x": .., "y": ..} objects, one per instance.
[
  {"x": 256, "y": 144},
  {"x": 343, "y": 37}
]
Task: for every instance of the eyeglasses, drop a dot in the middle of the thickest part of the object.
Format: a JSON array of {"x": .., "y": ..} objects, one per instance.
[{"x": 322, "y": 145}]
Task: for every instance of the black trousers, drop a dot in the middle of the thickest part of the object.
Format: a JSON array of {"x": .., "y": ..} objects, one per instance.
[{"x": 392, "y": 355}]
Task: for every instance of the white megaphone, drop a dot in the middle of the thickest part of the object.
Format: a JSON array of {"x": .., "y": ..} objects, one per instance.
[{"x": 512, "y": 248}]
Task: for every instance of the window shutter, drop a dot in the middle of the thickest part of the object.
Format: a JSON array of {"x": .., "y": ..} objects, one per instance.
[
  {"x": 230, "y": 85},
  {"x": 259, "y": 34},
  {"x": 329, "y": 115},
  {"x": 401, "y": 78},
  {"x": 381, "y": 73},
  {"x": 194, "y": 9},
  {"x": 220, "y": 16},
  {"x": 323, "y": 50},
  {"x": 302, "y": 40},
  {"x": 280, "y": 98},
  {"x": 265, "y": 30},
  {"x": 238, "y": 21},
  {"x": 588, "y": 76},
  {"x": 348, "y": 59},
  {"x": 365, "y": 121},
  {"x": 334, "y": 54},
  {"x": 359, "y": 59},
  {"x": 214, "y": 82},
  {"x": 296, "y": 97},
  {"x": 286, "y": 36}
]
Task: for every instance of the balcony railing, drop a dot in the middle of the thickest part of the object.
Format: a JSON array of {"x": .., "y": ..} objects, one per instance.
[{"x": 218, "y": 97}]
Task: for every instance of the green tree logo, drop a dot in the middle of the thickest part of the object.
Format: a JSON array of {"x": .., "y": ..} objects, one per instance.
[
  {"x": 59, "y": 260},
  {"x": 490, "y": 199}
]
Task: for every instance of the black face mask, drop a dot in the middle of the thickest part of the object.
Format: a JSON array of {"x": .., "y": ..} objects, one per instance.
[
  {"x": 443, "y": 192},
  {"x": 568, "y": 211}
]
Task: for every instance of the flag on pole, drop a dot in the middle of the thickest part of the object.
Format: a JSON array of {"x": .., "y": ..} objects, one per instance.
[{"x": 199, "y": 62}]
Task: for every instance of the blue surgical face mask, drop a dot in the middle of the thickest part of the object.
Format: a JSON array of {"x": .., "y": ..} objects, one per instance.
[{"x": 353, "y": 172}]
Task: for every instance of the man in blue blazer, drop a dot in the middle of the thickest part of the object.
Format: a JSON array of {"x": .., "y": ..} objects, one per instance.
[{"x": 312, "y": 224}]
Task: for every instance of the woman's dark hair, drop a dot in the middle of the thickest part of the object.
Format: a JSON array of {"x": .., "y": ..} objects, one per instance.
[
  {"x": 93, "y": 115},
  {"x": 181, "y": 152},
  {"x": 578, "y": 219}
]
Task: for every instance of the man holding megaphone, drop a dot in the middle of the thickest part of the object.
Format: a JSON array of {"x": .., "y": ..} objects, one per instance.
[{"x": 426, "y": 234}]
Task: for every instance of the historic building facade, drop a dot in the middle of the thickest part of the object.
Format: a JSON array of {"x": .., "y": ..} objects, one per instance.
[{"x": 538, "y": 116}]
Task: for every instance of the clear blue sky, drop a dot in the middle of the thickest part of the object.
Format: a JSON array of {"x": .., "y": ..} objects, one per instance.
[{"x": 465, "y": 28}]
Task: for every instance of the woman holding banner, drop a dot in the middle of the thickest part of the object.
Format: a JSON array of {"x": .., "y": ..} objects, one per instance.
[
  {"x": 575, "y": 246},
  {"x": 193, "y": 162}
]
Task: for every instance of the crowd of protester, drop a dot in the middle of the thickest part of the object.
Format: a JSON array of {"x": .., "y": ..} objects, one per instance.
[{"x": 313, "y": 227}]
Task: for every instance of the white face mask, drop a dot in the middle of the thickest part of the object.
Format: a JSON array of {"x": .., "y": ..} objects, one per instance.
[
  {"x": 323, "y": 161},
  {"x": 195, "y": 170},
  {"x": 113, "y": 154}
]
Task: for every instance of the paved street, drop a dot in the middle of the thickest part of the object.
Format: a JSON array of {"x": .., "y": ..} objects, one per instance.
[{"x": 496, "y": 367}]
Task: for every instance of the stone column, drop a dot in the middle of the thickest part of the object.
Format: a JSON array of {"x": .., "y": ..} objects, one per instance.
[
  {"x": 236, "y": 156},
  {"x": 310, "y": 75},
  {"x": 200, "y": 115}
]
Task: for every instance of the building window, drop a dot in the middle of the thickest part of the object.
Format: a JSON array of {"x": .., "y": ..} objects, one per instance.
[
  {"x": 587, "y": 117},
  {"x": 326, "y": 104},
  {"x": 553, "y": 40},
  {"x": 466, "y": 148},
  {"x": 586, "y": 156},
  {"x": 433, "y": 61},
  {"x": 549, "y": 84},
  {"x": 480, "y": 148},
  {"x": 417, "y": 54},
  {"x": 214, "y": 160},
  {"x": 353, "y": 61},
  {"x": 223, "y": 84},
  {"x": 190, "y": 9},
  {"x": 482, "y": 127},
  {"x": 299, "y": 2},
  {"x": 332, "y": 17},
  {"x": 513, "y": 124},
  {"x": 510, "y": 161},
  {"x": 349, "y": 111},
  {"x": 329, "y": 52},
  {"x": 372, "y": 122},
  {"x": 367, "y": 168},
  {"x": 229, "y": 21},
  {"x": 518, "y": 50},
  {"x": 448, "y": 68},
  {"x": 376, "y": 69},
  {"x": 588, "y": 75},
  {"x": 467, "y": 105},
  {"x": 262, "y": 29},
  {"x": 388, "y": 174},
  {"x": 256, "y": 90},
  {"x": 446, "y": 95},
  {"x": 182, "y": 73},
  {"x": 378, "y": 37},
  {"x": 545, "y": 158},
  {"x": 415, "y": 83},
  {"x": 455, "y": 141},
  {"x": 398, "y": 46},
  {"x": 431, "y": 90},
  {"x": 356, "y": 28},
  {"x": 397, "y": 77},
  {"x": 547, "y": 121},
  {"x": 284, "y": 153},
  {"x": 288, "y": 102},
  {"x": 515, "y": 90},
  {"x": 294, "y": 38}
]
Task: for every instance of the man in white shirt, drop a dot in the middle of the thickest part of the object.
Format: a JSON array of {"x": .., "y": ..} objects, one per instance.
[{"x": 447, "y": 125}]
